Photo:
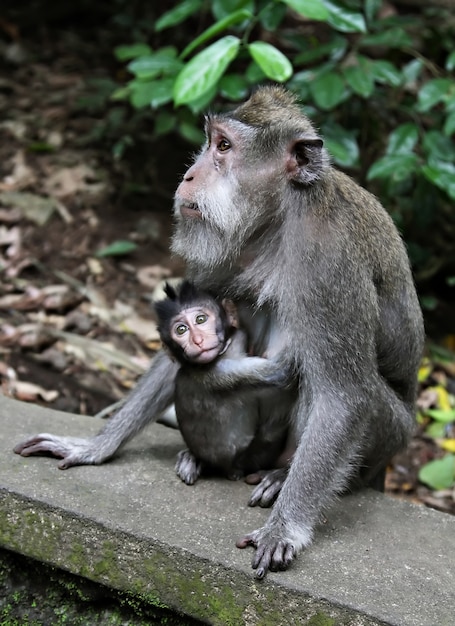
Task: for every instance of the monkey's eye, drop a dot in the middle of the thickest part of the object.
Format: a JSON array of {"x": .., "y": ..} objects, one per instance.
[
  {"x": 223, "y": 145},
  {"x": 201, "y": 318},
  {"x": 181, "y": 329}
]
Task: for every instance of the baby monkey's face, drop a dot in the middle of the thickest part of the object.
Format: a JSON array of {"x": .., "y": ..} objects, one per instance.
[{"x": 198, "y": 331}]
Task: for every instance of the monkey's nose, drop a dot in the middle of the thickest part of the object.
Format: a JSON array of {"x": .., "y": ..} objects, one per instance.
[{"x": 198, "y": 338}]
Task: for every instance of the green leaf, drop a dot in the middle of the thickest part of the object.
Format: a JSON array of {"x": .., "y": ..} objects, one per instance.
[
  {"x": 233, "y": 87},
  {"x": 411, "y": 71},
  {"x": 300, "y": 83},
  {"x": 433, "y": 92},
  {"x": 202, "y": 103},
  {"x": 178, "y": 14},
  {"x": 164, "y": 123},
  {"x": 449, "y": 125},
  {"x": 360, "y": 78},
  {"x": 254, "y": 74},
  {"x": 450, "y": 62},
  {"x": 394, "y": 37},
  {"x": 151, "y": 93},
  {"x": 345, "y": 150},
  {"x": 162, "y": 62},
  {"x": 117, "y": 248},
  {"x": 429, "y": 303},
  {"x": 439, "y": 474},
  {"x": 216, "y": 29},
  {"x": 371, "y": 8},
  {"x": 223, "y": 8},
  {"x": 435, "y": 430},
  {"x": 40, "y": 146},
  {"x": 141, "y": 93},
  {"x": 403, "y": 139},
  {"x": 126, "y": 53},
  {"x": 444, "y": 416},
  {"x": 395, "y": 166},
  {"x": 344, "y": 19},
  {"x": 386, "y": 72},
  {"x": 205, "y": 69},
  {"x": 335, "y": 50},
  {"x": 192, "y": 133},
  {"x": 312, "y": 9},
  {"x": 439, "y": 147},
  {"x": 441, "y": 174},
  {"x": 123, "y": 93},
  {"x": 328, "y": 90},
  {"x": 272, "y": 16},
  {"x": 271, "y": 61}
]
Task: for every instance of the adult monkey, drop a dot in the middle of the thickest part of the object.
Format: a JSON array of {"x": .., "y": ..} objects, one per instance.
[{"x": 262, "y": 217}]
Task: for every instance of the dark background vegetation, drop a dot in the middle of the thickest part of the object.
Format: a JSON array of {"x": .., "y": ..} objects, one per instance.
[{"x": 101, "y": 106}]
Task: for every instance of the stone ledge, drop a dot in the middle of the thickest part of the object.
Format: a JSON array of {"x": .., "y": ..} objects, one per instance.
[{"x": 131, "y": 525}]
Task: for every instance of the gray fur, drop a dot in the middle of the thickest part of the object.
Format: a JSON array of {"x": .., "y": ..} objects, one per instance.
[
  {"x": 320, "y": 255},
  {"x": 238, "y": 431}
]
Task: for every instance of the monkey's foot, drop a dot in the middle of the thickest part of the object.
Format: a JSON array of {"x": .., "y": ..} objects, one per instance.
[
  {"x": 272, "y": 553},
  {"x": 72, "y": 450},
  {"x": 268, "y": 488},
  {"x": 187, "y": 467}
]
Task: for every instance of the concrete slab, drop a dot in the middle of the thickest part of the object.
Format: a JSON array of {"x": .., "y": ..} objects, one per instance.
[{"x": 133, "y": 525}]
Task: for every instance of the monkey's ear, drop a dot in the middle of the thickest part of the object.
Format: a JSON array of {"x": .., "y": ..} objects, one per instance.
[
  {"x": 306, "y": 160},
  {"x": 231, "y": 312},
  {"x": 170, "y": 291}
]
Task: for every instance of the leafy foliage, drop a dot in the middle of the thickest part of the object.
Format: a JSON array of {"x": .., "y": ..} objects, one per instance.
[
  {"x": 379, "y": 84},
  {"x": 117, "y": 248},
  {"x": 439, "y": 421}
]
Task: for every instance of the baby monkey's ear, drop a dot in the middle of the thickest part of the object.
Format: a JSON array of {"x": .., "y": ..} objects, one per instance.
[{"x": 231, "y": 312}]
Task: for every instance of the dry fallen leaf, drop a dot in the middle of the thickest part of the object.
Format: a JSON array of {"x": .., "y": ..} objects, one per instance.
[
  {"x": 22, "y": 175},
  {"x": 73, "y": 180},
  {"x": 29, "y": 392},
  {"x": 27, "y": 301},
  {"x": 11, "y": 238},
  {"x": 143, "y": 328}
]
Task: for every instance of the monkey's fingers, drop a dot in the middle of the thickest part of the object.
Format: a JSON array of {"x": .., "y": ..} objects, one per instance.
[
  {"x": 187, "y": 467},
  {"x": 271, "y": 553},
  {"x": 40, "y": 444},
  {"x": 274, "y": 556},
  {"x": 247, "y": 540},
  {"x": 268, "y": 489},
  {"x": 72, "y": 450}
]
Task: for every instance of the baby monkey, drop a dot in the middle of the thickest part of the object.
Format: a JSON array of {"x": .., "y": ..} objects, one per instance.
[{"x": 236, "y": 431}]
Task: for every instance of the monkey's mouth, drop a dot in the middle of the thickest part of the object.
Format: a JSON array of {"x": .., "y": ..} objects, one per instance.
[
  {"x": 191, "y": 210},
  {"x": 207, "y": 355}
]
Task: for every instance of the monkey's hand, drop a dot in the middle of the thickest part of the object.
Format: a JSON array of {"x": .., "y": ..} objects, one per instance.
[
  {"x": 272, "y": 552},
  {"x": 72, "y": 450},
  {"x": 268, "y": 488},
  {"x": 187, "y": 467}
]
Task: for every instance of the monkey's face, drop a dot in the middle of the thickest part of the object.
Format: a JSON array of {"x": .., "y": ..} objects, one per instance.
[
  {"x": 225, "y": 196},
  {"x": 199, "y": 333}
]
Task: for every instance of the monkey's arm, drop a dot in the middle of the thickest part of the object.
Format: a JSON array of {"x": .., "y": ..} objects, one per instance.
[
  {"x": 151, "y": 396},
  {"x": 248, "y": 372}
]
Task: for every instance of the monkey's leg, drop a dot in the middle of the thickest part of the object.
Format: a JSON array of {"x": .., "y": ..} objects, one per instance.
[
  {"x": 151, "y": 396},
  {"x": 339, "y": 430}
]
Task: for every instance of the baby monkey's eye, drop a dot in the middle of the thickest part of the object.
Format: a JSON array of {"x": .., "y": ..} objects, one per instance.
[
  {"x": 181, "y": 329},
  {"x": 223, "y": 145},
  {"x": 201, "y": 318}
]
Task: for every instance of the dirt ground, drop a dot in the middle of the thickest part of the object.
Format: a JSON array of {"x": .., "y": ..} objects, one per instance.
[{"x": 76, "y": 329}]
